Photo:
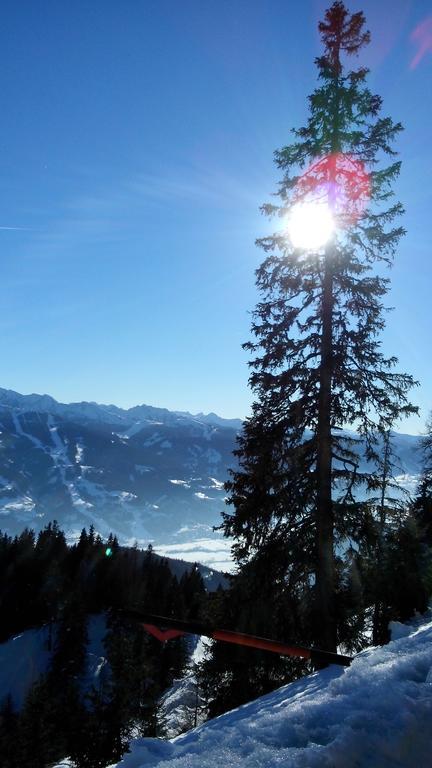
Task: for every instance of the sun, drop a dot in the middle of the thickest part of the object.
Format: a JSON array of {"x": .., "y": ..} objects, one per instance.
[{"x": 310, "y": 225}]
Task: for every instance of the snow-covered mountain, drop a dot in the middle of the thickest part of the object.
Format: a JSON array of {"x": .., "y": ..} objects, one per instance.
[
  {"x": 144, "y": 473},
  {"x": 377, "y": 713}
]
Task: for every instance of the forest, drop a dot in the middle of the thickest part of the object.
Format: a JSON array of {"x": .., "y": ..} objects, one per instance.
[{"x": 46, "y": 582}]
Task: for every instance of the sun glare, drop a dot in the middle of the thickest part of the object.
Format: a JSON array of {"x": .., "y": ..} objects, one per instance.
[{"x": 310, "y": 225}]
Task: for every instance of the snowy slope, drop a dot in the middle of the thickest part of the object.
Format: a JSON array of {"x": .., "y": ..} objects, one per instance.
[
  {"x": 181, "y": 706},
  {"x": 375, "y": 714},
  {"x": 24, "y": 658}
]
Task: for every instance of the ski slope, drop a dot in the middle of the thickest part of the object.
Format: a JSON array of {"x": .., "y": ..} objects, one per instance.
[{"x": 375, "y": 714}]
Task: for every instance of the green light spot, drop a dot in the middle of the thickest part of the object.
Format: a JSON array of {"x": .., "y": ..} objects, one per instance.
[{"x": 108, "y": 552}]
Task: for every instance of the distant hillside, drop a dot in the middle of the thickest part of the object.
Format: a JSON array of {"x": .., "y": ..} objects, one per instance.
[
  {"x": 141, "y": 473},
  {"x": 145, "y": 473}
]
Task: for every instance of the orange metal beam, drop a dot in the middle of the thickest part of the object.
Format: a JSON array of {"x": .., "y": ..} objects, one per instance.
[{"x": 165, "y": 628}]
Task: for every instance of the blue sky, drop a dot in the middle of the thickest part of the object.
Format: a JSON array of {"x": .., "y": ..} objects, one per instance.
[{"x": 136, "y": 147}]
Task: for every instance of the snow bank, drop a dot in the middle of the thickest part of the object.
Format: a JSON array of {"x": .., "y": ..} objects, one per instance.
[{"x": 375, "y": 714}]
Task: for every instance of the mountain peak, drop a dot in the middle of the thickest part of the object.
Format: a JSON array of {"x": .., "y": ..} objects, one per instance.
[{"x": 94, "y": 411}]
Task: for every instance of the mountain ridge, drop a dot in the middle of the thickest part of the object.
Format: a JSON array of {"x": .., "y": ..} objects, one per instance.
[
  {"x": 47, "y": 404},
  {"x": 144, "y": 473}
]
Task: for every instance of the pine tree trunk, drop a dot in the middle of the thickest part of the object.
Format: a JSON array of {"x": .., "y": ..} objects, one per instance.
[
  {"x": 325, "y": 600},
  {"x": 379, "y": 624},
  {"x": 325, "y": 577}
]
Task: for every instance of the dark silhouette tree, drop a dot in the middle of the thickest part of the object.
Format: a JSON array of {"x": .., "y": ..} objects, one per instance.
[
  {"x": 422, "y": 507},
  {"x": 193, "y": 592},
  {"x": 317, "y": 362}
]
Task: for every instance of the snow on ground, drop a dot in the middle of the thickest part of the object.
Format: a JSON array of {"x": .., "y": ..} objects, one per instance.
[
  {"x": 375, "y": 714},
  {"x": 20, "y": 431},
  {"x": 181, "y": 705}
]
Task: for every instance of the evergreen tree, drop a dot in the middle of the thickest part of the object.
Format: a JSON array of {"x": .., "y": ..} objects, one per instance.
[
  {"x": 317, "y": 363},
  {"x": 20, "y": 583},
  {"x": 193, "y": 592},
  {"x": 40, "y": 743},
  {"x": 50, "y": 553},
  {"x": 422, "y": 507},
  {"x": 70, "y": 651},
  {"x": 231, "y": 675},
  {"x": 387, "y": 512},
  {"x": 408, "y": 572},
  {"x": 61, "y": 715}
]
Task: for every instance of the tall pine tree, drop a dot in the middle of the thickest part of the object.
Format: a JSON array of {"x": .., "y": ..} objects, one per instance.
[
  {"x": 422, "y": 506},
  {"x": 317, "y": 363}
]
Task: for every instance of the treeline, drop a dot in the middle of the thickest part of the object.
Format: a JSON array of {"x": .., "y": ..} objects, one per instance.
[{"x": 43, "y": 581}]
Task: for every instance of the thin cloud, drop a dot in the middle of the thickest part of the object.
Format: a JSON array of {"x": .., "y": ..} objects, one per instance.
[
  {"x": 422, "y": 37},
  {"x": 111, "y": 213},
  {"x": 15, "y": 229},
  {"x": 207, "y": 185}
]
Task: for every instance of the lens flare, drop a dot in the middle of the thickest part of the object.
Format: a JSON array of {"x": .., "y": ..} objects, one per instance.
[
  {"x": 310, "y": 225},
  {"x": 338, "y": 185}
]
